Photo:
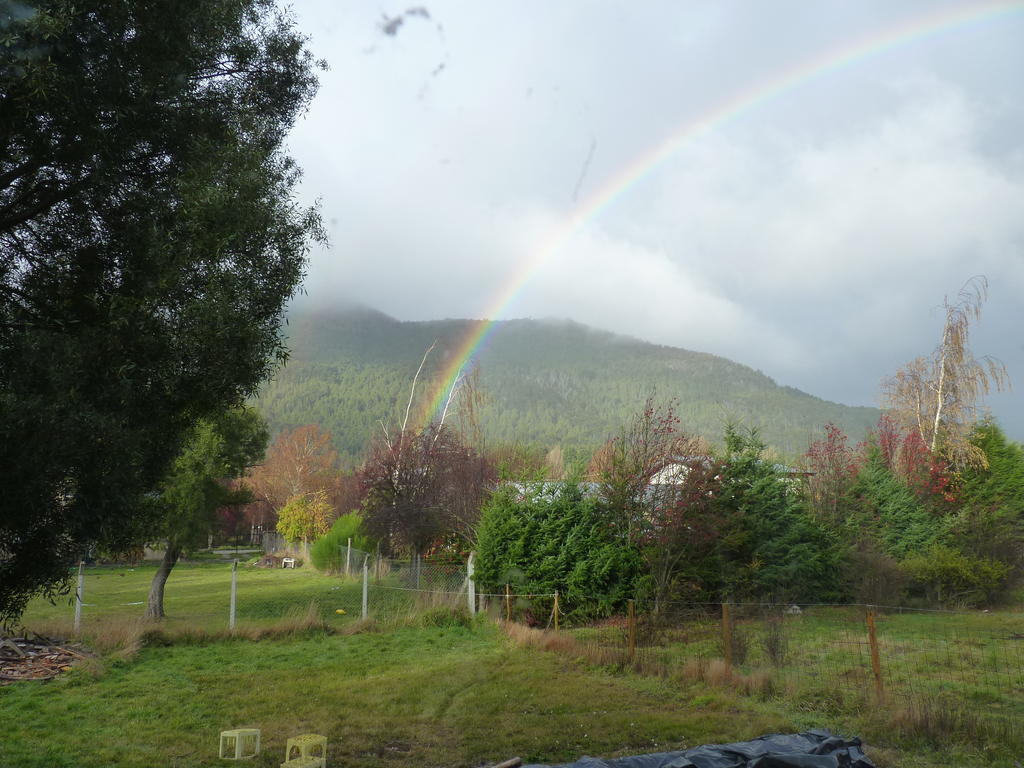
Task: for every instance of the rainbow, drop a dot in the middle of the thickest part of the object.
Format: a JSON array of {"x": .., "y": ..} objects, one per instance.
[{"x": 825, "y": 63}]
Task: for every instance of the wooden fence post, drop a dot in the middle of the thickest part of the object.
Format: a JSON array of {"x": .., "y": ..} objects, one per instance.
[
  {"x": 631, "y": 631},
  {"x": 556, "y": 610},
  {"x": 470, "y": 586},
  {"x": 876, "y": 663},
  {"x": 727, "y": 635}
]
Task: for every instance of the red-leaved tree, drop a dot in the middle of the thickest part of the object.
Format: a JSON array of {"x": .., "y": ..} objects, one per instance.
[
  {"x": 422, "y": 487},
  {"x": 658, "y": 484},
  {"x": 833, "y": 465},
  {"x": 906, "y": 454},
  {"x": 651, "y": 451}
]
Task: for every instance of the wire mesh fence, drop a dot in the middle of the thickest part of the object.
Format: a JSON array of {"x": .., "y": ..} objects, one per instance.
[
  {"x": 398, "y": 588},
  {"x": 201, "y": 597},
  {"x": 214, "y": 596}
]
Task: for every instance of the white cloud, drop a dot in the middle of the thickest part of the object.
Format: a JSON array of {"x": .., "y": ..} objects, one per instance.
[{"x": 809, "y": 238}]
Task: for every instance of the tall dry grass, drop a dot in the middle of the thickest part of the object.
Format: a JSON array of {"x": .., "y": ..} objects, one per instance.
[
  {"x": 941, "y": 721},
  {"x": 650, "y": 662}
]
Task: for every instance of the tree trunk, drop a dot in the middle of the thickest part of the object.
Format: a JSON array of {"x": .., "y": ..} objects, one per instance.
[{"x": 155, "y": 603}]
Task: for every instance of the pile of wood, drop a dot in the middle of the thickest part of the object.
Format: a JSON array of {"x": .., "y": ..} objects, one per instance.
[{"x": 38, "y": 659}]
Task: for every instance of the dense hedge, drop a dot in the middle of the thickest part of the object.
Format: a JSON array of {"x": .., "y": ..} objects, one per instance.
[{"x": 547, "y": 537}]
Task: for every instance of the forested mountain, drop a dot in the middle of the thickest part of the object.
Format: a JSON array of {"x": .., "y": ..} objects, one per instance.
[{"x": 546, "y": 383}]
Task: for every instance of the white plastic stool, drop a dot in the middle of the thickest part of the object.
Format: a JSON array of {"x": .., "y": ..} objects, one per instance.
[{"x": 244, "y": 742}]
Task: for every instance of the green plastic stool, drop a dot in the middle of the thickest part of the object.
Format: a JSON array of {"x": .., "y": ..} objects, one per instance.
[
  {"x": 243, "y": 742},
  {"x": 305, "y": 745}
]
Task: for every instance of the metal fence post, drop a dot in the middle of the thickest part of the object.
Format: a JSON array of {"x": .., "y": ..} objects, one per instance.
[
  {"x": 348, "y": 558},
  {"x": 78, "y": 595},
  {"x": 470, "y": 586},
  {"x": 366, "y": 584},
  {"x": 234, "y": 594},
  {"x": 508, "y": 603}
]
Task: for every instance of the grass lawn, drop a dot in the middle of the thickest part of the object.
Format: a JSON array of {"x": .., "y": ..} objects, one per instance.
[
  {"x": 415, "y": 695},
  {"x": 410, "y": 696}
]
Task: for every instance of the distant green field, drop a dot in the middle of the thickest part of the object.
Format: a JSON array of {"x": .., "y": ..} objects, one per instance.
[{"x": 198, "y": 596}]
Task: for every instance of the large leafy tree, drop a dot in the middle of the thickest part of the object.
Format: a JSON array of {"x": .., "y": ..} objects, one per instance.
[
  {"x": 149, "y": 238},
  {"x": 216, "y": 451},
  {"x": 305, "y": 517}
]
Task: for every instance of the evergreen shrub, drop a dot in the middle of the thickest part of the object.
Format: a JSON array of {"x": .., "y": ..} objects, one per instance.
[{"x": 545, "y": 537}]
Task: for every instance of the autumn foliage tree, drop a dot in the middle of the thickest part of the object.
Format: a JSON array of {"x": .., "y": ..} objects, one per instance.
[
  {"x": 637, "y": 470},
  {"x": 939, "y": 396},
  {"x": 300, "y": 461},
  {"x": 657, "y": 484},
  {"x": 832, "y": 465},
  {"x": 421, "y": 486},
  {"x": 305, "y": 517},
  {"x": 677, "y": 536}
]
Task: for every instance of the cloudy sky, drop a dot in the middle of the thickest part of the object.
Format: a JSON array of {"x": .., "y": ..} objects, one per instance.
[{"x": 793, "y": 185}]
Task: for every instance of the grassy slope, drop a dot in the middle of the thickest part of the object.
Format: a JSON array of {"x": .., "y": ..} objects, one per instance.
[
  {"x": 452, "y": 696},
  {"x": 408, "y": 696},
  {"x": 548, "y": 382}
]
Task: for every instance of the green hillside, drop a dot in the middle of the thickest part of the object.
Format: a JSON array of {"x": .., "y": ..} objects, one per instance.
[{"x": 547, "y": 383}]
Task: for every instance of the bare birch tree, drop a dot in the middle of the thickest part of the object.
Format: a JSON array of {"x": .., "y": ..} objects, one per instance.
[{"x": 940, "y": 396}]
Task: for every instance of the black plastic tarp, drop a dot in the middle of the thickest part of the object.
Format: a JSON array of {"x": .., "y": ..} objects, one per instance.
[{"x": 813, "y": 749}]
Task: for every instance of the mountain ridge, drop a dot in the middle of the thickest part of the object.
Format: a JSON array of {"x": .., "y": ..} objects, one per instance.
[{"x": 548, "y": 382}]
